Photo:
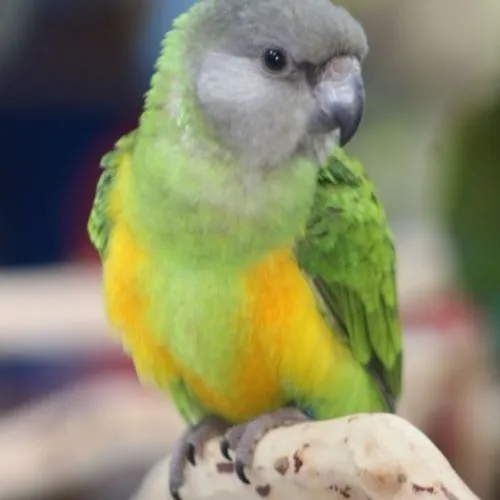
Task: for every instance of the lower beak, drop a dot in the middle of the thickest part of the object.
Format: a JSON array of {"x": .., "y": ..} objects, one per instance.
[{"x": 340, "y": 98}]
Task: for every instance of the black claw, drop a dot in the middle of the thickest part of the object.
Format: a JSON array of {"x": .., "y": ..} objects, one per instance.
[
  {"x": 224, "y": 449},
  {"x": 191, "y": 455},
  {"x": 239, "y": 468},
  {"x": 174, "y": 493}
]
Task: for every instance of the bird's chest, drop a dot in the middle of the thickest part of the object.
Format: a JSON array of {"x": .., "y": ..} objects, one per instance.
[
  {"x": 199, "y": 315},
  {"x": 212, "y": 324},
  {"x": 234, "y": 338}
]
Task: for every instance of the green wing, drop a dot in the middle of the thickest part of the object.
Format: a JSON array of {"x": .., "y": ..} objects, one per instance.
[
  {"x": 99, "y": 223},
  {"x": 348, "y": 253}
]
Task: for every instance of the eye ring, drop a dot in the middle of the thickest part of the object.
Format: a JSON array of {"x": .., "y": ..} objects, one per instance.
[{"x": 275, "y": 60}]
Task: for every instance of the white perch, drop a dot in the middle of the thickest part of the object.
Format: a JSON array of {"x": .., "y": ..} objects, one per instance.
[{"x": 362, "y": 457}]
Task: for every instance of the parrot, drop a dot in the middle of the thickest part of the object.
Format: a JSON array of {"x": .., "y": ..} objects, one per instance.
[{"x": 248, "y": 267}]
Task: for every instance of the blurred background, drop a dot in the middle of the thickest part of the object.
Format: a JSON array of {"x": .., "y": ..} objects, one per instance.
[{"x": 74, "y": 422}]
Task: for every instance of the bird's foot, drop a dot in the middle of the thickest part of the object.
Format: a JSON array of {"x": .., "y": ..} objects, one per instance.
[
  {"x": 242, "y": 439},
  {"x": 189, "y": 446}
]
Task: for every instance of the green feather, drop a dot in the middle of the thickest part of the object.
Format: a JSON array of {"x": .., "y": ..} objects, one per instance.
[
  {"x": 99, "y": 228},
  {"x": 99, "y": 223},
  {"x": 349, "y": 254}
]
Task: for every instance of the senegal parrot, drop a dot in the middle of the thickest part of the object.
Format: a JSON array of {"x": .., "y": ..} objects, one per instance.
[{"x": 247, "y": 263}]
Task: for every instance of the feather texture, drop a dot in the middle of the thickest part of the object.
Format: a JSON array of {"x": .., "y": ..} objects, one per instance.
[{"x": 349, "y": 253}]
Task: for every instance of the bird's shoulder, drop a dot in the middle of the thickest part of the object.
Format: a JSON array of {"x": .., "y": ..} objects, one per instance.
[{"x": 100, "y": 221}]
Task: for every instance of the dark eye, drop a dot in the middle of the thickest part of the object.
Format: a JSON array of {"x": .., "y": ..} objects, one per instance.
[{"x": 275, "y": 60}]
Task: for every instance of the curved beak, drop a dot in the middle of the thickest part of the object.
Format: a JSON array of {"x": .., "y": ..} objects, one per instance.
[{"x": 340, "y": 97}]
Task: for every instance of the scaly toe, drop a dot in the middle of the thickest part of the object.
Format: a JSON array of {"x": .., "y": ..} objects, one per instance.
[
  {"x": 244, "y": 438},
  {"x": 177, "y": 465},
  {"x": 231, "y": 439},
  {"x": 189, "y": 446},
  {"x": 210, "y": 427}
]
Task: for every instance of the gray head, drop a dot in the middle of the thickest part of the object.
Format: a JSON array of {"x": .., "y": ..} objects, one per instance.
[{"x": 278, "y": 77}]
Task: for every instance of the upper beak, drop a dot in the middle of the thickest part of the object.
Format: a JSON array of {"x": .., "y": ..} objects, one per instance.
[{"x": 340, "y": 98}]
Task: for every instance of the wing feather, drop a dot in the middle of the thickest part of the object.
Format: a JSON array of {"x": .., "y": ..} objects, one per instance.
[
  {"x": 348, "y": 253},
  {"x": 99, "y": 223}
]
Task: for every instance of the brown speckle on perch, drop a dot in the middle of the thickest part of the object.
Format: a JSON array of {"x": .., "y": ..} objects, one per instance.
[
  {"x": 282, "y": 465},
  {"x": 297, "y": 462},
  {"x": 263, "y": 491},
  {"x": 402, "y": 478},
  {"x": 421, "y": 489},
  {"x": 344, "y": 492},
  {"x": 225, "y": 467}
]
